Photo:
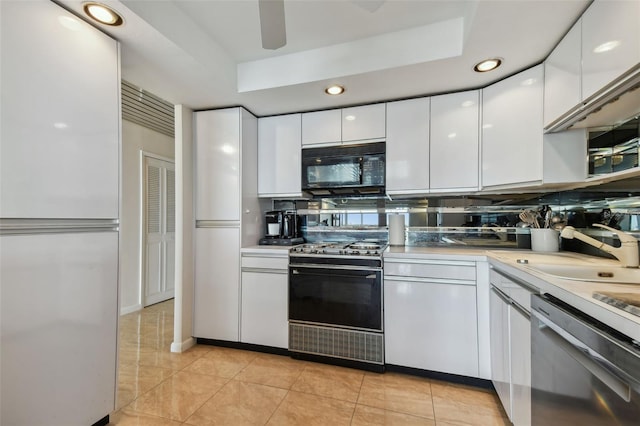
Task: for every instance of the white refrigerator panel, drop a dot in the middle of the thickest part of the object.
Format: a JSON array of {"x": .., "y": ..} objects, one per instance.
[
  {"x": 59, "y": 144},
  {"x": 59, "y": 318}
]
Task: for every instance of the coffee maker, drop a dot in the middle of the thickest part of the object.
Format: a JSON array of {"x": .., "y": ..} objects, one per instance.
[
  {"x": 273, "y": 224},
  {"x": 281, "y": 228}
]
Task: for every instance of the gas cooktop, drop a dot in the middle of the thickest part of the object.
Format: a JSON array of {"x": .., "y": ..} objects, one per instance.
[{"x": 358, "y": 248}]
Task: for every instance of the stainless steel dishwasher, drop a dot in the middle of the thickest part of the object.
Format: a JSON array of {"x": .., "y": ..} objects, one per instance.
[{"x": 582, "y": 371}]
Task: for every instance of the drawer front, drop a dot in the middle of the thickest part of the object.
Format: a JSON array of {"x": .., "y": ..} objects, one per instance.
[
  {"x": 266, "y": 262},
  {"x": 498, "y": 280},
  {"x": 466, "y": 271}
]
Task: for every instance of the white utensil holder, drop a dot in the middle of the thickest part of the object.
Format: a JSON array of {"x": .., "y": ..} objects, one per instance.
[{"x": 544, "y": 239}]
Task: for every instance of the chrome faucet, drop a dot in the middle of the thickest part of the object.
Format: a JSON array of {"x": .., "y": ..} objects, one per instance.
[{"x": 627, "y": 253}]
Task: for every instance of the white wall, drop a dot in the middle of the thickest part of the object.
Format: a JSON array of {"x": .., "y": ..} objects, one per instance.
[
  {"x": 135, "y": 139},
  {"x": 185, "y": 225}
]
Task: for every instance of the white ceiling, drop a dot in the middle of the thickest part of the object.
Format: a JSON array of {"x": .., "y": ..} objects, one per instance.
[{"x": 208, "y": 54}]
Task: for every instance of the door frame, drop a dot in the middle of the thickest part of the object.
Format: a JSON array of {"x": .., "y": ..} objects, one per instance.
[{"x": 142, "y": 255}]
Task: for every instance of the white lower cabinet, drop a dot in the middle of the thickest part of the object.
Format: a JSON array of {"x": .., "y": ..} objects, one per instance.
[
  {"x": 264, "y": 314},
  {"x": 500, "y": 358},
  {"x": 217, "y": 283},
  {"x": 511, "y": 347},
  {"x": 431, "y": 323},
  {"x": 520, "y": 344}
]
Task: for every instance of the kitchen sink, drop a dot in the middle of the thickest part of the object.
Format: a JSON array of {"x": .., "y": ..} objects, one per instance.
[{"x": 596, "y": 273}]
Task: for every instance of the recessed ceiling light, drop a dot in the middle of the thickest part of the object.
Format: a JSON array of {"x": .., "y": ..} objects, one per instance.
[
  {"x": 487, "y": 65},
  {"x": 349, "y": 117},
  {"x": 334, "y": 90},
  {"x": 605, "y": 47},
  {"x": 466, "y": 104},
  {"x": 103, "y": 14}
]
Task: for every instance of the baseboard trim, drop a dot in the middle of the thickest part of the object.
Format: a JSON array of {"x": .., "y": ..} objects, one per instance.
[
  {"x": 129, "y": 309},
  {"x": 178, "y": 347},
  {"x": 102, "y": 422},
  {"x": 245, "y": 346},
  {"x": 445, "y": 377}
]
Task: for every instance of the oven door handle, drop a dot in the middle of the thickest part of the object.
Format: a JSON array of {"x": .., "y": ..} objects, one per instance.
[
  {"x": 584, "y": 356},
  {"x": 294, "y": 268},
  {"x": 365, "y": 277}
]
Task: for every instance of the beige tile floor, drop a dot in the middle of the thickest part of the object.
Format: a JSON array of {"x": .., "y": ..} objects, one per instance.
[{"x": 210, "y": 385}]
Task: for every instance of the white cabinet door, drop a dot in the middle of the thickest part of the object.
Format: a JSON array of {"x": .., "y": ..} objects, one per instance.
[
  {"x": 322, "y": 127},
  {"x": 512, "y": 129},
  {"x": 520, "y": 343},
  {"x": 500, "y": 357},
  {"x": 432, "y": 326},
  {"x": 217, "y": 284},
  {"x": 407, "y": 146},
  {"x": 265, "y": 308},
  {"x": 279, "y": 149},
  {"x": 217, "y": 155},
  {"x": 363, "y": 123},
  {"x": 610, "y": 42},
  {"x": 59, "y": 315},
  {"x": 60, "y": 124},
  {"x": 562, "y": 70},
  {"x": 454, "y": 141}
]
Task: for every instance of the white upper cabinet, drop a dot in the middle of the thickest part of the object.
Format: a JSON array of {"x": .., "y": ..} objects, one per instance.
[
  {"x": 217, "y": 154},
  {"x": 512, "y": 130},
  {"x": 322, "y": 127},
  {"x": 562, "y": 69},
  {"x": 279, "y": 163},
  {"x": 363, "y": 123},
  {"x": 610, "y": 42},
  {"x": 63, "y": 75},
  {"x": 407, "y": 169},
  {"x": 357, "y": 124},
  {"x": 454, "y": 141}
]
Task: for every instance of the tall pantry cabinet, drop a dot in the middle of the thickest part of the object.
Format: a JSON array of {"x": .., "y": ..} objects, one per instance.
[{"x": 228, "y": 216}]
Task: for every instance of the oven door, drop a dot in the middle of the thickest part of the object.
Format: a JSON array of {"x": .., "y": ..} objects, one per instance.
[{"x": 343, "y": 296}]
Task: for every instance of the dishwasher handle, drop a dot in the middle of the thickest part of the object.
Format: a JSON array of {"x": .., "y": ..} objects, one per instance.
[{"x": 584, "y": 356}]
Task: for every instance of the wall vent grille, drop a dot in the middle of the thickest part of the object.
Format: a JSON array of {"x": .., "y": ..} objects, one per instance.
[
  {"x": 146, "y": 109},
  {"x": 339, "y": 343}
]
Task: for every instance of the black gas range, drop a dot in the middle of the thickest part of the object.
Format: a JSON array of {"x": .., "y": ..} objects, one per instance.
[{"x": 335, "y": 303}]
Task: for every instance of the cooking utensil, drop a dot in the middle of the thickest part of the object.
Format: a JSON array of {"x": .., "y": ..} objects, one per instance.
[
  {"x": 529, "y": 217},
  {"x": 547, "y": 218}
]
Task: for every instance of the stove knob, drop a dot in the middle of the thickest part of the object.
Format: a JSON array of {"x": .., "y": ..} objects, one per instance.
[
  {"x": 368, "y": 252},
  {"x": 356, "y": 252}
]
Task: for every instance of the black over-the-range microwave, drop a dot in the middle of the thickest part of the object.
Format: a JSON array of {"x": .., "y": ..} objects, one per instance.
[{"x": 346, "y": 170}]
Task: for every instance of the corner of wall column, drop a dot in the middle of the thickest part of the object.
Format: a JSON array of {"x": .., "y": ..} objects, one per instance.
[{"x": 184, "y": 238}]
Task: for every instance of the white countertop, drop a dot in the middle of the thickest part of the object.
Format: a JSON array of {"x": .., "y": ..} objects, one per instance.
[
  {"x": 444, "y": 253},
  {"x": 578, "y": 294}
]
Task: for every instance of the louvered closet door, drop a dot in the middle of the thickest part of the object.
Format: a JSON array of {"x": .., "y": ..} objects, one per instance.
[{"x": 160, "y": 230}]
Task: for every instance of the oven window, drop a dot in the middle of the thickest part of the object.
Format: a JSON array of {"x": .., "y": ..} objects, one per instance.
[{"x": 338, "y": 297}]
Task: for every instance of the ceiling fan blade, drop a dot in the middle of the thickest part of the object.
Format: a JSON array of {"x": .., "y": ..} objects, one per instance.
[{"x": 272, "y": 25}]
